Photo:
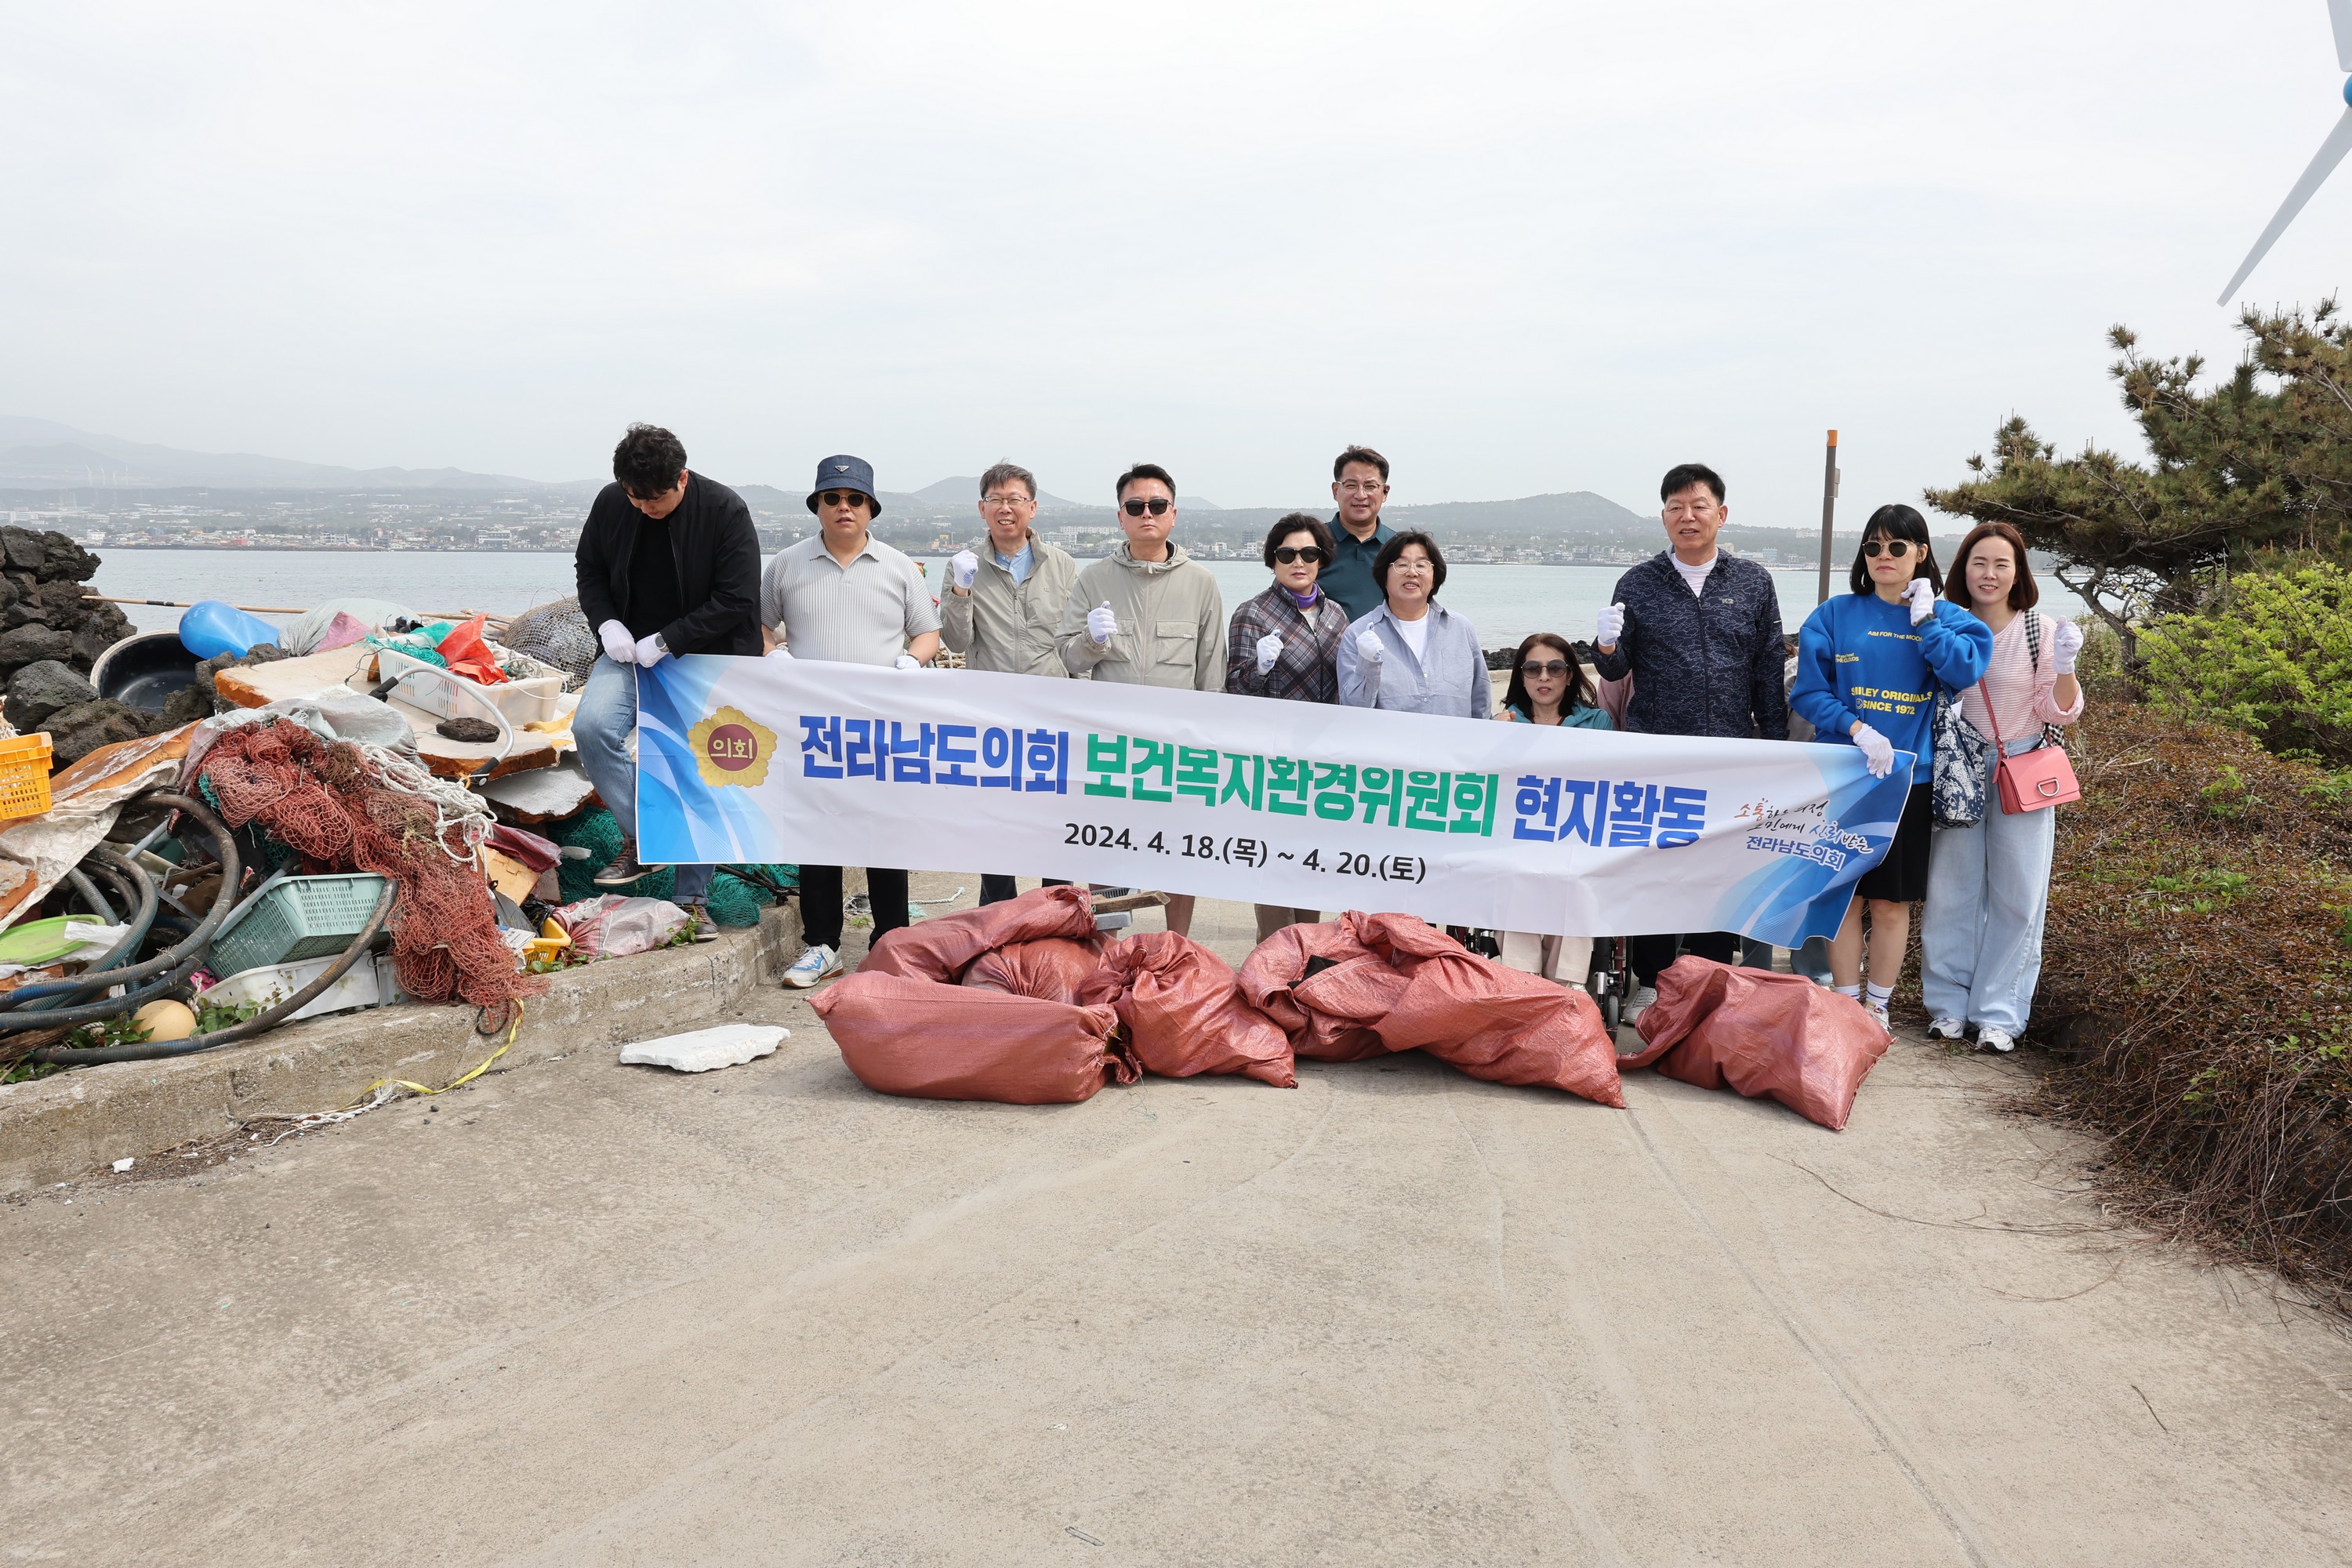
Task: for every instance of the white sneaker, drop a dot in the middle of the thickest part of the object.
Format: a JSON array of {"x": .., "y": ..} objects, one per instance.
[
  {"x": 1643, "y": 999},
  {"x": 1948, "y": 1029},
  {"x": 1879, "y": 1010},
  {"x": 1996, "y": 1039},
  {"x": 818, "y": 962}
]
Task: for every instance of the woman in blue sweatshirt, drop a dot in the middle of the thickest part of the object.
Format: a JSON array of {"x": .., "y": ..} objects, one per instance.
[{"x": 1869, "y": 664}]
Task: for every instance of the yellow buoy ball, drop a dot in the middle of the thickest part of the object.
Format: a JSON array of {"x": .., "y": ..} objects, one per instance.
[{"x": 166, "y": 1020}]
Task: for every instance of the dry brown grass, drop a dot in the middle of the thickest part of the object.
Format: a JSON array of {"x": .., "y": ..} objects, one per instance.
[{"x": 2196, "y": 994}]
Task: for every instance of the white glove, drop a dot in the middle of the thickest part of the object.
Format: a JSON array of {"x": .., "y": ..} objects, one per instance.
[
  {"x": 1611, "y": 626},
  {"x": 2065, "y": 646},
  {"x": 1878, "y": 751},
  {"x": 1368, "y": 646},
  {"x": 1269, "y": 648},
  {"x": 651, "y": 652},
  {"x": 780, "y": 651},
  {"x": 1922, "y": 596},
  {"x": 619, "y": 646},
  {"x": 966, "y": 567},
  {"x": 1101, "y": 624},
  {"x": 907, "y": 661}
]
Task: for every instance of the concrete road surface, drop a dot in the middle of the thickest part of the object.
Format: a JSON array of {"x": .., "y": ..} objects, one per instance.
[{"x": 588, "y": 1315}]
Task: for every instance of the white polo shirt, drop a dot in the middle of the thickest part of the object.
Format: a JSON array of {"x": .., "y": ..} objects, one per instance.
[{"x": 861, "y": 613}]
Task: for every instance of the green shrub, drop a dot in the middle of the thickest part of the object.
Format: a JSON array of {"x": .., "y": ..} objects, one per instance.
[{"x": 2271, "y": 656}]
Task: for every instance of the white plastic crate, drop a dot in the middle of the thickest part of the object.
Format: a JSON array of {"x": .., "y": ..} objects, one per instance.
[
  {"x": 526, "y": 701},
  {"x": 368, "y": 982}
]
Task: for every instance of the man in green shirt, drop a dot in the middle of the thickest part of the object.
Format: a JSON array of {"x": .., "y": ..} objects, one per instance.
[{"x": 1360, "y": 484}]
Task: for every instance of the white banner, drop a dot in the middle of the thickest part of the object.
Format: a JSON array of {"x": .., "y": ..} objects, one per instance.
[{"x": 1460, "y": 821}]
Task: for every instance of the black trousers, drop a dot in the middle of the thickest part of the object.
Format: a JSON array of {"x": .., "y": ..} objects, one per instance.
[
  {"x": 820, "y": 902},
  {"x": 996, "y": 889},
  {"x": 1649, "y": 954}
]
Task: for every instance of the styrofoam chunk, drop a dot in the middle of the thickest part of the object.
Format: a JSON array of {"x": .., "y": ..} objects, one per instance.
[{"x": 728, "y": 1045}]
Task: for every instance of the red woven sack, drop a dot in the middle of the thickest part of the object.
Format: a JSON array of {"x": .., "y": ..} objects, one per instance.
[
  {"x": 1778, "y": 1036},
  {"x": 1050, "y": 969},
  {"x": 919, "y": 1037},
  {"x": 1184, "y": 1011},
  {"x": 941, "y": 947},
  {"x": 1322, "y": 988},
  {"x": 1504, "y": 1027}
]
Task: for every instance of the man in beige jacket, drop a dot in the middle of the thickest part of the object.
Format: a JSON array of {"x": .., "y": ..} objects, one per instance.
[
  {"x": 1007, "y": 589},
  {"x": 1148, "y": 614},
  {"x": 1003, "y": 603}
]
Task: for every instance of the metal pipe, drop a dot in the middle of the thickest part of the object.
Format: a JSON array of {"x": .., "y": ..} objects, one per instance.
[{"x": 1829, "y": 513}]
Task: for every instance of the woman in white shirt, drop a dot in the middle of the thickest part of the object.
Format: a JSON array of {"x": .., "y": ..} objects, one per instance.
[{"x": 1989, "y": 886}]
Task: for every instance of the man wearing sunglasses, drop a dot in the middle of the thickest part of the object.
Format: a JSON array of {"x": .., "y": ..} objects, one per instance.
[
  {"x": 843, "y": 594},
  {"x": 1359, "y": 486},
  {"x": 1004, "y": 598},
  {"x": 1148, "y": 614},
  {"x": 1699, "y": 631},
  {"x": 667, "y": 563}
]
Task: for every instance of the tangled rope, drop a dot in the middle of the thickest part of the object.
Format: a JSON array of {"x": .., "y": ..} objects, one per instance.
[{"x": 343, "y": 803}]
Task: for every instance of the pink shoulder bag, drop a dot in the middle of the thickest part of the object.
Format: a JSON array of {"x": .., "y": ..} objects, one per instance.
[{"x": 2034, "y": 780}]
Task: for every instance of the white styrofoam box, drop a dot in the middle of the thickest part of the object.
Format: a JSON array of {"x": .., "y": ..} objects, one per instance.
[
  {"x": 368, "y": 983},
  {"x": 727, "y": 1046},
  {"x": 525, "y": 702}
]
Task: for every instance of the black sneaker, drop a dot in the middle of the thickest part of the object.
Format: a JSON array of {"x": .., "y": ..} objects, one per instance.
[{"x": 625, "y": 868}]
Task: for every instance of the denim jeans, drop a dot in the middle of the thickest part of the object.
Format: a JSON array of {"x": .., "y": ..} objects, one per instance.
[
  {"x": 1980, "y": 935},
  {"x": 602, "y": 728}
]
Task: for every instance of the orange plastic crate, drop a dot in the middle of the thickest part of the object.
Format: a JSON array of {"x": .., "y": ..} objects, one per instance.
[{"x": 24, "y": 776}]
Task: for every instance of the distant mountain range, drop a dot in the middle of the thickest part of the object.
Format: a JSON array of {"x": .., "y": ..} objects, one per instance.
[{"x": 44, "y": 455}]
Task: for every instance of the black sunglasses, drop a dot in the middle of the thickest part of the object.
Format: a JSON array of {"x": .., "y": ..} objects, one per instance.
[
  {"x": 1897, "y": 548},
  {"x": 1312, "y": 554},
  {"x": 1550, "y": 669},
  {"x": 842, "y": 498},
  {"x": 1138, "y": 505}
]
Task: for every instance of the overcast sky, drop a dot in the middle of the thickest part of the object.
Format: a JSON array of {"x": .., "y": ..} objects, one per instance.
[{"x": 1518, "y": 248}]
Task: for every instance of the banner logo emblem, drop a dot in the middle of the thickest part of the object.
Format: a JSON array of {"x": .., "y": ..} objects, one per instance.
[{"x": 731, "y": 748}]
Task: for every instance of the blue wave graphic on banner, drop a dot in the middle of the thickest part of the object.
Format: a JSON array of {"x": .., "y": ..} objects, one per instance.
[
  {"x": 679, "y": 817},
  {"x": 1796, "y": 897}
]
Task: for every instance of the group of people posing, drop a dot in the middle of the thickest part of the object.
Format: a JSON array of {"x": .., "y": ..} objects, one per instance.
[{"x": 668, "y": 563}]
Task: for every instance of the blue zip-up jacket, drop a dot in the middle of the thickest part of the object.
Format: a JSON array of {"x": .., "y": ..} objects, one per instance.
[
  {"x": 1860, "y": 657},
  {"x": 1710, "y": 665}
]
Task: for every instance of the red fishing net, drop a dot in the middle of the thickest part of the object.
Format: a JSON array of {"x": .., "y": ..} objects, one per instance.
[{"x": 333, "y": 804}]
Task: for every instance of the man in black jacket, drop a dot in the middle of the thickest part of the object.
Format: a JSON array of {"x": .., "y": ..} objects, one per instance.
[
  {"x": 1699, "y": 632},
  {"x": 668, "y": 563}
]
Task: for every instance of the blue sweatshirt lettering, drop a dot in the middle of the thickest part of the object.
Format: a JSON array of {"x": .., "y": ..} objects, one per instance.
[{"x": 1860, "y": 658}]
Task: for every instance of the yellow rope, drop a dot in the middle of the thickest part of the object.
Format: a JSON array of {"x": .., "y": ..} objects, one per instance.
[{"x": 453, "y": 1083}]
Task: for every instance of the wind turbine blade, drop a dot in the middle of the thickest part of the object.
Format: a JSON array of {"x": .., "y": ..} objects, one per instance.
[
  {"x": 2331, "y": 152},
  {"x": 2339, "y": 11}
]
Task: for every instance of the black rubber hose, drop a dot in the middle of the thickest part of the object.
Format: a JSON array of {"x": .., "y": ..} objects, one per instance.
[
  {"x": 139, "y": 897},
  {"x": 153, "y": 1050},
  {"x": 90, "y": 895},
  {"x": 182, "y": 956}
]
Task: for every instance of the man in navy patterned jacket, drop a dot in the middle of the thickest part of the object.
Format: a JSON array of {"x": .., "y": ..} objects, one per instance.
[{"x": 1699, "y": 632}]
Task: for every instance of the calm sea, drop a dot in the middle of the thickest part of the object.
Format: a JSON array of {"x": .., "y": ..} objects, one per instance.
[{"x": 1504, "y": 603}]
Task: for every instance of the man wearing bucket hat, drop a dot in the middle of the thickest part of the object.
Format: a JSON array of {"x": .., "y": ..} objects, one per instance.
[
  {"x": 667, "y": 563},
  {"x": 843, "y": 594}
]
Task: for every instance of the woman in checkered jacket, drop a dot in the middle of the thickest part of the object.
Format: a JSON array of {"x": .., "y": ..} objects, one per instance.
[{"x": 1285, "y": 643}]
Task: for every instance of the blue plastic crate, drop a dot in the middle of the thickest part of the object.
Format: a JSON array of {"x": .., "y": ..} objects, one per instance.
[{"x": 301, "y": 917}]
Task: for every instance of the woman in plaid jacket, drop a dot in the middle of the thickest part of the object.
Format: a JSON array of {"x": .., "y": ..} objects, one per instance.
[{"x": 1285, "y": 643}]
